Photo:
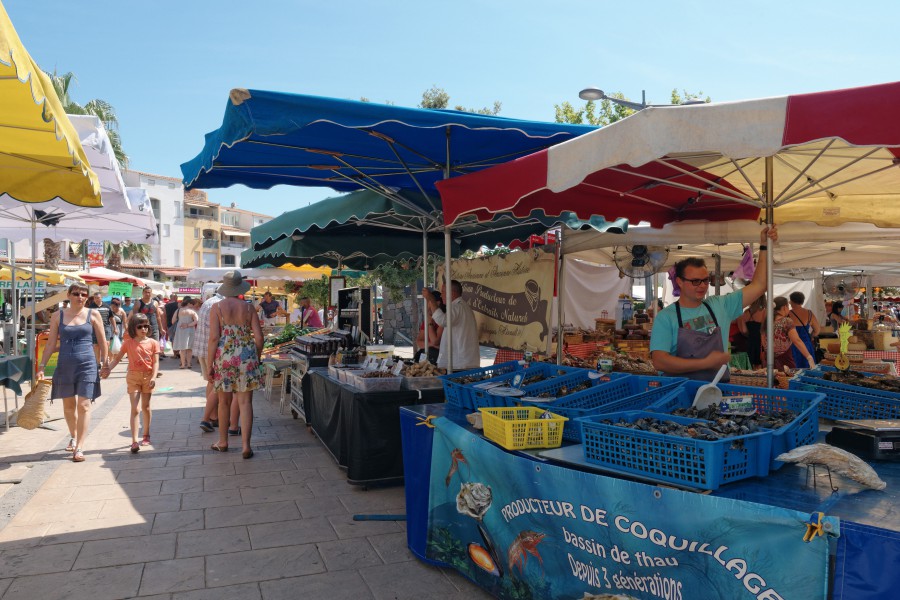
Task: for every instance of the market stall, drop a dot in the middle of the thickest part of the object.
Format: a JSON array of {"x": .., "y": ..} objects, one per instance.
[
  {"x": 483, "y": 502},
  {"x": 361, "y": 429}
]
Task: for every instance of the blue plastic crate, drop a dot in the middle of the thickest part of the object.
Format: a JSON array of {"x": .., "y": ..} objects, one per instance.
[
  {"x": 553, "y": 385},
  {"x": 803, "y": 430},
  {"x": 458, "y": 394},
  {"x": 683, "y": 461},
  {"x": 621, "y": 392},
  {"x": 482, "y": 398},
  {"x": 843, "y": 401}
]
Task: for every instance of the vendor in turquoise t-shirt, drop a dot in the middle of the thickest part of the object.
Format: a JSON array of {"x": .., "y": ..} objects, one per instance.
[{"x": 689, "y": 337}]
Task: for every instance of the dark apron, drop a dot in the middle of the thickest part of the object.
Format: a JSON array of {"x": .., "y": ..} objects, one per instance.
[{"x": 698, "y": 344}]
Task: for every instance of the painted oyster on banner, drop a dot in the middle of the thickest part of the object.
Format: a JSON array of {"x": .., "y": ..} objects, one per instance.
[{"x": 474, "y": 499}]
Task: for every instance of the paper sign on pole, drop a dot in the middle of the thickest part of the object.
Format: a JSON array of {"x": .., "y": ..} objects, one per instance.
[{"x": 96, "y": 256}]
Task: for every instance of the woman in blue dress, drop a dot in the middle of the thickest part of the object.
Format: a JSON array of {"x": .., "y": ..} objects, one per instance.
[{"x": 77, "y": 376}]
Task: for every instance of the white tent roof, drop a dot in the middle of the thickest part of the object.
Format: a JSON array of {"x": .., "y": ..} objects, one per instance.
[
  {"x": 124, "y": 216},
  {"x": 103, "y": 275},
  {"x": 801, "y": 246}
]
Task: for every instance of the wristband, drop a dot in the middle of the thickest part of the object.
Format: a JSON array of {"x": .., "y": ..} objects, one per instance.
[{"x": 763, "y": 247}]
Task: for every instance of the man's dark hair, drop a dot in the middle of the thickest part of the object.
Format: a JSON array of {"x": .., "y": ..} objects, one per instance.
[
  {"x": 691, "y": 261},
  {"x": 797, "y": 298},
  {"x": 455, "y": 288}
]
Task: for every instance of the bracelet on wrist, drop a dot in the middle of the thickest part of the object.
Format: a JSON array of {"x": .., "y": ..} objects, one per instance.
[{"x": 763, "y": 247}]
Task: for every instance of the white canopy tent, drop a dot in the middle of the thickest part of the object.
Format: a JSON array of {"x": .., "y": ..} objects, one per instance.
[
  {"x": 103, "y": 276},
  {"x": 123, "y": 217},
  {"x": 804, "y": 250}
]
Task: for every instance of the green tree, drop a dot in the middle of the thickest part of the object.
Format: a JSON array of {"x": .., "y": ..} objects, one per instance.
[
  {"x": 130, "y": 251},
  {"x": 103, "y": 110},
  {"x": 438, "y": 98}
]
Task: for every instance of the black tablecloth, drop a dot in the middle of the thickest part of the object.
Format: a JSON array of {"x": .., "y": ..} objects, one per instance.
[{"x": 361, "y": 430}]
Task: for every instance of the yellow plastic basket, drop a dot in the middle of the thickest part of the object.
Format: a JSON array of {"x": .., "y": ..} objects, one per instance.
[{"x": 522, "y": 428}]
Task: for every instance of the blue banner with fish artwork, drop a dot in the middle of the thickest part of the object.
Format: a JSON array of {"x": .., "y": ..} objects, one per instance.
[{"x": 526, "y": 529}]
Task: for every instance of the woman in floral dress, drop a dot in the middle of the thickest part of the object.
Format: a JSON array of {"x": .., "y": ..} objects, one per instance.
[{"x": 235, "y": 345}]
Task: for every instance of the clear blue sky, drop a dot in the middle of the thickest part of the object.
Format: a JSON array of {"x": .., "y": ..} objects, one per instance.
[{"x": 167, "y": 66}]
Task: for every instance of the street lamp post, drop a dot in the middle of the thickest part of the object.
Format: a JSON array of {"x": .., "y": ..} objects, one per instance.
[{"x": 594, "y": 93}]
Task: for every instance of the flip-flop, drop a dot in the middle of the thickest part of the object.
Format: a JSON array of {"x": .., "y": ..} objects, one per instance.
[
  {"x": 206, "y": 426},
  {"x": 219, "y": 448}
]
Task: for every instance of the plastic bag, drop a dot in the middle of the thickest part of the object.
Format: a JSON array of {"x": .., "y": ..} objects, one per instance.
[{"x": 116, "y": 345}]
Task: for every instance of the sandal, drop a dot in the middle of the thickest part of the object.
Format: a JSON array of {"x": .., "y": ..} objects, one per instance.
[
  {"x": 248, "y": 453},
  {"x": 206, "y": 426},
  {"x": 145, "y": 441},
  {"x": 71, "y": 446},
  {"x": 78, "y": 456},
  {"x": 135, "y": 448},
  {"x": 219, "y": 448}
]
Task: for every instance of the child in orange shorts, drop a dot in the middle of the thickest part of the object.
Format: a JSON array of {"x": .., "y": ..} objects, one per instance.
[{"x": 143, "y": 365}]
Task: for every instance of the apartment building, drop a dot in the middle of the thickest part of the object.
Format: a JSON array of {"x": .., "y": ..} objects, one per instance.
[
  {"x": 167, "y": 199},
  {"x": 236, "y": 226}
]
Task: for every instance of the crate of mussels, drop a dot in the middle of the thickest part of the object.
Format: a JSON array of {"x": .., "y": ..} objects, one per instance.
[
  {"x": 505, "y": 390},
  {"x": 458, "y": 385},
  {"x": 689, "y": 452},
  {"x": 852, "y": 394},
  {"x": 610, "y": 392},
  {"x": 791, "y": 416}
]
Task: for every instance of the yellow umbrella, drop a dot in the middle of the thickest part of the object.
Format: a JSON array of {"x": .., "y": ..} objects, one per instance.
[
  {"x": 41, "y": 157},
  {"x": 49, "y": 276}
]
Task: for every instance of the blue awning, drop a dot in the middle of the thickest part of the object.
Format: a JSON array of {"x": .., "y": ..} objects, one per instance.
[{"x": 273, "y": 138}]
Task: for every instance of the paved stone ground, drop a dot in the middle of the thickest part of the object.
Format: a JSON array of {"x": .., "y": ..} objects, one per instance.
[{"x": 179, "y": 521}]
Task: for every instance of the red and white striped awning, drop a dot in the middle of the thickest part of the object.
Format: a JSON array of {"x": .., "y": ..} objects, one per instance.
[{"x": 835, "y": 161}]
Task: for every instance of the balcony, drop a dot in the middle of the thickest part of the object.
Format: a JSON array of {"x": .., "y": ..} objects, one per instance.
[
  {"x": 238, "y": 245},
  {"x": 210, "y": 243},
  {"x": 199, "y": 215}
]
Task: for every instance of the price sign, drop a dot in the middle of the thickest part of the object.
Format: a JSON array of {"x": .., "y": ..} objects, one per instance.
[
  {"x": 737, "y": 405},
  {"x": 398, "y": 368},
  {"x": 120, "y": 288}
]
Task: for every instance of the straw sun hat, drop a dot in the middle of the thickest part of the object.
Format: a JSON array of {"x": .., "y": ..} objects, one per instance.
[{"x": 233, "y": 284}]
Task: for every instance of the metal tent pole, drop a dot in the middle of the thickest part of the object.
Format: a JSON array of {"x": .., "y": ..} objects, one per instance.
[
  {"x": 31, "y": 330},
  {"x": 424, "y": 285},
  {"x": 770, "y": 281},
  {"x": 718, "y": 258},
  {"x": 448, "y": 300},
  {"x": 560, "y": 310},
  {"x": 448, "y": 288},
  {"x": 12, "y": 345}
]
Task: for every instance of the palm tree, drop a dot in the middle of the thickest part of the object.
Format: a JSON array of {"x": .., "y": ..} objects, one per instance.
[
  {"x": 115, "y": 253},
  {"x": 52, "y": 254},
  {"x": 103, "y": 110}
]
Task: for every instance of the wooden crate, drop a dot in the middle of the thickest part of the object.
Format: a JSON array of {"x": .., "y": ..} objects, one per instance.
[{"x": 605, "y": 324}]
